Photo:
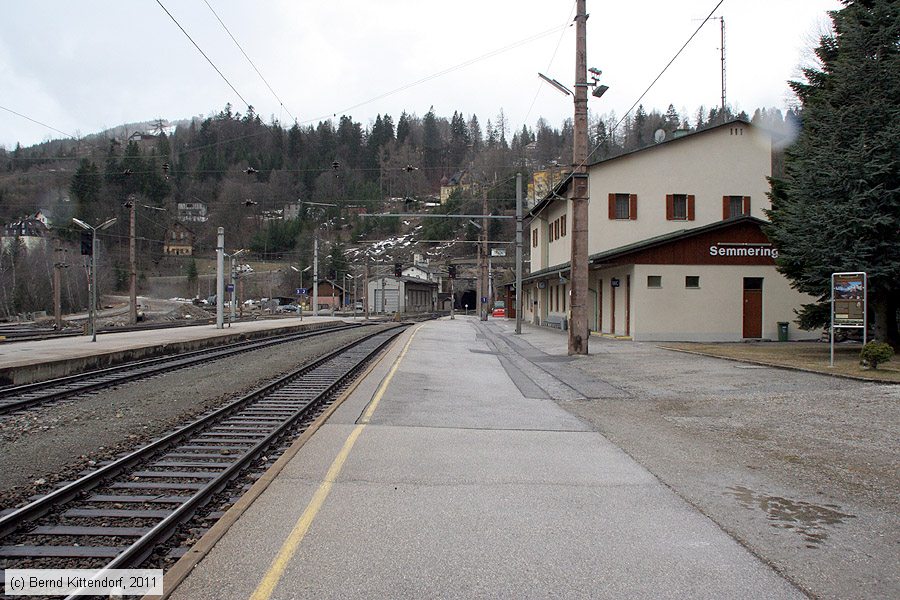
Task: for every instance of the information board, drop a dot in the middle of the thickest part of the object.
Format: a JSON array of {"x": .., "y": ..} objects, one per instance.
[{"x": 848, "y": 304}]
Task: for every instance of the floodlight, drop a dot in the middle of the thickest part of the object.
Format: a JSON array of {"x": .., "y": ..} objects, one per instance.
[
  {"x": 106, "y": 224},
  {"x": 556, "y": 84}
]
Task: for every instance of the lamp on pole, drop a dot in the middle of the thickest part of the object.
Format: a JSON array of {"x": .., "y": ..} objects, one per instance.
[
  {"x": 579, "y": 333},
  {"x": 92, "y": 282},
  {"x": 301, "y": 271},
  {"x": 335, "y": 165},
  {"x": 578, "y": 326}
]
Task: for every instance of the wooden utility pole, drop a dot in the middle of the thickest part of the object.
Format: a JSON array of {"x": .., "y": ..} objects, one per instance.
[
  {"x": 518, "y": 303},
  {"x": 578, "y": 322}
]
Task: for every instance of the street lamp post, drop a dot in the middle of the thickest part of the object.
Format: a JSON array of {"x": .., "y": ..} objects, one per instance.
[
  {"x": 578, "y": 326},
  {"x": 301, "y": 271},
  {"x": 92, "y": 284},
  {"x": 579, "y": 333}
]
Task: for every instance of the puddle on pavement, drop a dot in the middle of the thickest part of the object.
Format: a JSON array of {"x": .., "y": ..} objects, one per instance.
[{"x": 808, "y": 520}]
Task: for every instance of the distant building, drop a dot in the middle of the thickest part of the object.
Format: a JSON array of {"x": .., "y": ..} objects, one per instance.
[
  {"x": 192, "y": 212},
  {"x": 420, "y": 269},
  {"x": 32, "y": 231},
  {"x": 330, "y": 295},
  {"x": 179, "y": 241},
  {"x": 542, "y": 182},
  {"x": 291, "y": 211},
  {"x": 145, "y": 141},
  {"x": 401, "y": 294},
  {"x": 461, "y": 180}
]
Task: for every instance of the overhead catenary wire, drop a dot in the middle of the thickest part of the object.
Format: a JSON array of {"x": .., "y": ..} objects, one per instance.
[
  {"x": 537, "y": 91},
  {"x": 661, "y": 73},
  {"x": 18, "y": 114},
  {"x": 249, "y": 61},
  {"x": 443, "y": 72},
  {"x": 200, "y": 50}
]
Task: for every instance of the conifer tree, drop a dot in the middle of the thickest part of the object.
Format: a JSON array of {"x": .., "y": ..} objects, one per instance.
[{"x": 837, "y": 207}]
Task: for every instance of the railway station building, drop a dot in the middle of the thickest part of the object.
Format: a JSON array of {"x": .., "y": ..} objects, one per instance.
[
  {"x": 676, "y": 244},
  {"x": 403, "y": 294}
]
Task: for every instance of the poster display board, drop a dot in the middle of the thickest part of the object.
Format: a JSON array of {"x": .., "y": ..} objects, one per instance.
[{"x": 848, "y": 304}]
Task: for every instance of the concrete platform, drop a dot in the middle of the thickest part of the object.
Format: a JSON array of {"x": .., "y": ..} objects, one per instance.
[
  {"x": 439, "y": 478},
  {"x": 27, "y": 362}
]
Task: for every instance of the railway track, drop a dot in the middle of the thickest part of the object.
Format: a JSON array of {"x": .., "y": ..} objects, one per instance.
[
  {"x": 120, "y": 514},
  {"x": 20, "y": 397},
  {"x": 32, "y": 332}
]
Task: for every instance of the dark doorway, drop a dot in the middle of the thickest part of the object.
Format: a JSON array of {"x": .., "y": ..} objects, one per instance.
[{"x": 753, "y": 307}]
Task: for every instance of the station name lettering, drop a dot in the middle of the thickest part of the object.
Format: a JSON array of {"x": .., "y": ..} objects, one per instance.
[{"x": 743, "y": 251}]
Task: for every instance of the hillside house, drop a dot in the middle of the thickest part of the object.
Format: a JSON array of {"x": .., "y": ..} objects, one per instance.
[{"x": 179, "y": 240}]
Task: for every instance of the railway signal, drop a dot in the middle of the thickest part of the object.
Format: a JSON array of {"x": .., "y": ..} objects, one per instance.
[{"x": 87, "y": 244}]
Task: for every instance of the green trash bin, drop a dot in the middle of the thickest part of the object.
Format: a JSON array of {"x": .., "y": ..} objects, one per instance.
[{"x": 782, "y": 332}]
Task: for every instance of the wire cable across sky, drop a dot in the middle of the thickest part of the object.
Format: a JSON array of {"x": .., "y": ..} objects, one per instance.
[
  {"x": 204, "y": 54},
  {"x": 293, "y": 118}
]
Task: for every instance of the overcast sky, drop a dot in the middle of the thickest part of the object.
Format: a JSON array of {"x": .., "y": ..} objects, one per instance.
[{"x": 84, "y": 66}]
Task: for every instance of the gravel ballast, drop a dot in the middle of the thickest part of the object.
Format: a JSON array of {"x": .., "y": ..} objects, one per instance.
[{"x": 42, "y": 446}]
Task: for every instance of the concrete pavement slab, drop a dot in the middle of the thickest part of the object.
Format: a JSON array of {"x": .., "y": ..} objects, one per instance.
[{"x": 460, "y": 487}]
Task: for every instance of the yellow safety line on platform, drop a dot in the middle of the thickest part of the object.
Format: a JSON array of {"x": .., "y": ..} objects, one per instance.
[{"x": 267, "y": 586}]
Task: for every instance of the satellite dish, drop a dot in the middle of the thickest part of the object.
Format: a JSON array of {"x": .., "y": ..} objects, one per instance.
[{"x": 659, "y": 136}]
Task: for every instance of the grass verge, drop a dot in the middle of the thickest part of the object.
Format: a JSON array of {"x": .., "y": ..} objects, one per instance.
[{"x": 810, "y": 356}]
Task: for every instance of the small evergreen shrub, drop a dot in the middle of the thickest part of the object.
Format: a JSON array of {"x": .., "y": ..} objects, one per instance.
[{"x": 875, "y": 353}]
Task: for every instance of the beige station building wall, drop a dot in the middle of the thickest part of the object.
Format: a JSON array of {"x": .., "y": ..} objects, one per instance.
[
  {"x": 712, "y": 312},
  {"x": 731, "y": 160}
]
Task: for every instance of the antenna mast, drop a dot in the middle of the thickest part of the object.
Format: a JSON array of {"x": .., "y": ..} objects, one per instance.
[{"x": 722, "y": 24}]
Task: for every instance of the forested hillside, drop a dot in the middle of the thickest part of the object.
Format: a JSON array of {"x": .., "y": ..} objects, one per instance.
[{"x": 246, "y": 171}]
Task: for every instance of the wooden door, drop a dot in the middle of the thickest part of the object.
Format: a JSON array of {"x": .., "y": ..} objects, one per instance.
[{"x": 752, "y": 307}]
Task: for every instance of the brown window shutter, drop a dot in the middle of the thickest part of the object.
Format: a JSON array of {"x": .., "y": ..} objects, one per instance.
[
  {"x": 670, "y": 207},
  {"x": 725, "y": 207},
  {"x": 612, "y": 206},
  {"x": 690, "y": 207},
  {"x": 747, "y": 205},
  {"x": 632, "y": 207}
]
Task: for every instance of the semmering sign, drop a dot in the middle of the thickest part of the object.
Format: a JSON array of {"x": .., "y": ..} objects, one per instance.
[{"x": 743, "y": 250}]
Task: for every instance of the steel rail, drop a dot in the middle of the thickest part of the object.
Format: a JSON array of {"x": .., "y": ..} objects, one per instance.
[
  {"x": 142, "y": 368},
  {"x": 11, "y": 522},
  {"x": 144, "y": 546}
]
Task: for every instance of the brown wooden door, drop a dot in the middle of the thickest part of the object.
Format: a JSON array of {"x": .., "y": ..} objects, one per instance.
[{"x": 752, "y": 307}]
